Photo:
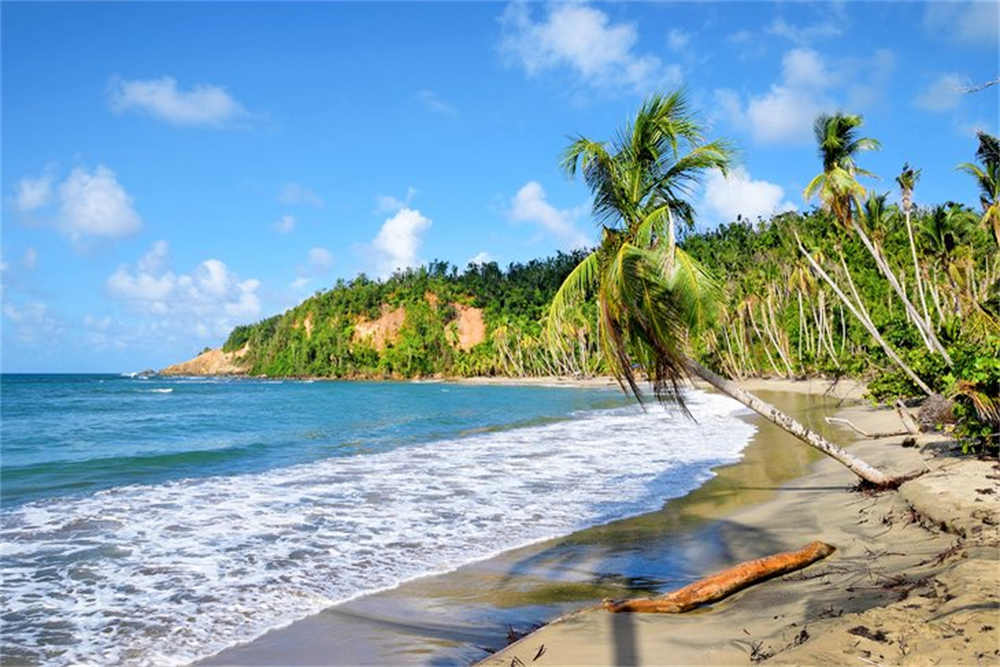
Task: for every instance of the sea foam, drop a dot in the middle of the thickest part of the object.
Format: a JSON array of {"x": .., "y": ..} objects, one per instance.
[{"x": 169, "y": 573}]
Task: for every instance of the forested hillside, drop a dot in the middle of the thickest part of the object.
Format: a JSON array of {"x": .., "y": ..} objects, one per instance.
[{"x": 903, "y": 296}]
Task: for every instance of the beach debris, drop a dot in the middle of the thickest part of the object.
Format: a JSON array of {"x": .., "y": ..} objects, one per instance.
[
  {"x": 870, "y": 436},
  {"x": 862, "y": 631},
  {"x": 725, "y": 583},
  {"x": 541, "y": 652},
  {"x": 909, "y": 422}
]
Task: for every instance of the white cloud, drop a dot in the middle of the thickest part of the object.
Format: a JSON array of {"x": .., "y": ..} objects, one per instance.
[
  {"x": 736, "y": 194},
  {"x": 210, "y": 299},
  {"x": 808, "y": 86},
  {"x": 678, "y": 40},
  {"x": 480, "y": 258},
  {"x": 34, "y": 193},
  {"x": 432, "y": 102},
  {"x": 203, "y": 104},
  {"x": 942, "y": 94},
  {"x": 32, "y": 322},
  {"x": 299, "y": 283},
  {"x": 969, "y": 23},
  {"x": 398, "y": 240},
  {"x": 391, "y": 204},
  {"x": 804, "y": 34},
  {"x": 320, "y": 260},
  {"x": 585, "y": 40},
  {"x": 530, "y": 205},
  {"x": 294, "y": 194},
  {"x": 95, "y": 204},
  {"x": 804, "y": 68},
  {"x": 784, "y": 114},
  {"x": 285, "y": 224}
]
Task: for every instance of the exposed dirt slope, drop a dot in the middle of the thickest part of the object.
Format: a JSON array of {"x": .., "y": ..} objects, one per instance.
[{"x": 212, "y": 362}]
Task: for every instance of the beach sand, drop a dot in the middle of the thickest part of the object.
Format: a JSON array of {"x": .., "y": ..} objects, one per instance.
[
  {"x": 915, "y": 579},
  {"x": 780, "y": 496}
]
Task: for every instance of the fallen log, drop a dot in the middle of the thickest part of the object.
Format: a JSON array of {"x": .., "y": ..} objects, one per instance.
[
  {"x": 724, "y": 583},
  {"x": 870, "y": 436}
]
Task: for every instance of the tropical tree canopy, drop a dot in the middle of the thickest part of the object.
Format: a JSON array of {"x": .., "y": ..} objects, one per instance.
[
  {"x": 651, "y": 295},
  {"x": 839, "y": 143}
]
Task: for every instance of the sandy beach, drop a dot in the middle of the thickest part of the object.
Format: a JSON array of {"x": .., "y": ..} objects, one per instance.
[
  {"x": 915, "y": 578},
  {"x": 894, "y": 550}
]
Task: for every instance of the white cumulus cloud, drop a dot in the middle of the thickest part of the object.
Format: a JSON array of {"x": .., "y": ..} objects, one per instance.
[
  {"x": 398, "y": 240},
  {"x": 210, "y": 299},
  {"x": 585, "y": 40},
  {"x": 391, "y": 204},
  {"x": 95, "y": 204},
  {"x": 808, "y": 86},
  {"x": 285, "y": 224},
  {"x": 737, "y": 194},
  {"x": 530, "y": 205},
  {"x": 202, "y": 104}
]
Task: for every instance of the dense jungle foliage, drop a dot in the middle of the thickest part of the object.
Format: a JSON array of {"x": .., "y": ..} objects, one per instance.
[{"x": 910, "y": 301}]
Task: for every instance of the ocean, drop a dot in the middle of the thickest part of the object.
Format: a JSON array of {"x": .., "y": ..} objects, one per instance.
[{"x": 162, "y": 520}]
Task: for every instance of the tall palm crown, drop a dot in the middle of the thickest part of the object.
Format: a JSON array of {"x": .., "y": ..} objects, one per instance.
[
  {"x": 839, "y": 144},
  {"x": 907, "y": 180},
  {"x": 650, "y": 293},
  {"x": 988, "y": 179}
]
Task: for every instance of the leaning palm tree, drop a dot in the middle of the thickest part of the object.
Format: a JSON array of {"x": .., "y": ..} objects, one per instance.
[
  {"x": 652, "y": 296},
  {"x": 838, "y": 189},
  {"x": 988, "y": 179},
  {"x": 907, "y": 180}
]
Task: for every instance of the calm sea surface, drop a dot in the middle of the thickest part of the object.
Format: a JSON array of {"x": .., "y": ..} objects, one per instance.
[{"x": 158, "y": 520}]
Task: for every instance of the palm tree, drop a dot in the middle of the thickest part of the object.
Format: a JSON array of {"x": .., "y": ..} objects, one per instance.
[
  {"x": 988, "y": 179},
  {"x": 838, "y": 188},
  {"x": 906, "y": 180},
  {"x": 652, "y": 296},
  {"x": 837, "y": 185}
]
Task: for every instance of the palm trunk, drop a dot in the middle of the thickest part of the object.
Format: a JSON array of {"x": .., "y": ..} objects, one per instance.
[
  {"x": 916, "y": 264},
  {"x": 863, "y": 470},
  {"x": 926, "y": 332},
  {"x": 866, "y": 322}
]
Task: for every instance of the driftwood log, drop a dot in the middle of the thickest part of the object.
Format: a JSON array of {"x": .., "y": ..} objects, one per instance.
[{"x": 726, "y": 582}]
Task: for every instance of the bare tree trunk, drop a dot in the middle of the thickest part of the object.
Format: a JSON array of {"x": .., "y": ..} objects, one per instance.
[
  {"x": 926, "y": 332},
  {"x": 863, "y": 470},
  {"x": 866, "y": 322}
]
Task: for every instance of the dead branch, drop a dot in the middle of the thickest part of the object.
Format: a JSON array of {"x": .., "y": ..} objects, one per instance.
[{"x": 870, "y": 436}]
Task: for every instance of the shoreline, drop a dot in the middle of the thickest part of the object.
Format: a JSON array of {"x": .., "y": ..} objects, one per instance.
[
  {"x": 915, "y": 579},
  {"x": 531, "y": 584}
]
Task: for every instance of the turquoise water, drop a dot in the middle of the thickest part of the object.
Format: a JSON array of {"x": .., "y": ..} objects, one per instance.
[
  {"x": 71, "y": 434},
  {"x": 157, "y": 521}
]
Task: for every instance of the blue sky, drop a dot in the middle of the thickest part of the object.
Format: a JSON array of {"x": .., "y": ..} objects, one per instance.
[{"x": 170, "y": 170}]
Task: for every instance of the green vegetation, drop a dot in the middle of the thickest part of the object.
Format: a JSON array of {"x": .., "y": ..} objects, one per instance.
[{"x": 905, "y": 297}]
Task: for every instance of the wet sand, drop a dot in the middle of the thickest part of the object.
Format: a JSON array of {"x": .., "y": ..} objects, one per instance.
[
  {"x": 915, "y": 579},
  {"x": 461, "y": 616}
]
